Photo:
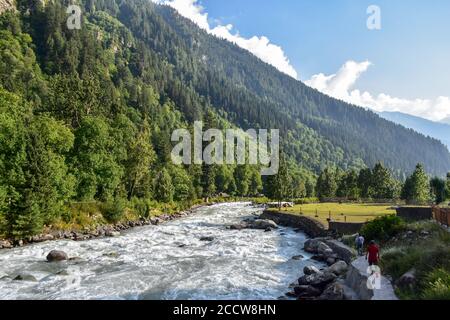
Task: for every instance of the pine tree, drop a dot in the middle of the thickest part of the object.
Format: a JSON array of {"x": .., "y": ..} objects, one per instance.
[
  {"x": 438, "y": 188},
  {"x": 326, "y": 184},
  {"x": 279, "y": 186},
  {"x": 164, "y": 190},
  {"x": 417, "y": 187}
]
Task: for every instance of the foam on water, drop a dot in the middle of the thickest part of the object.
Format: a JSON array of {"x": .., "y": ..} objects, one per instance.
[{"x": 163, "y": 262}]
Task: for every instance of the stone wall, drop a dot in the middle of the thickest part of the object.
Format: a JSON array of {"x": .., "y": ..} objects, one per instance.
[
  {"x": 311, "y": 227},
  {"x": 415, "y": 213},
  {"x": 345, "y": 228}
]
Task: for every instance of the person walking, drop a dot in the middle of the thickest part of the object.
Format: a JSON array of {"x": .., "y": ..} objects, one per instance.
[
  {"x": 359, "y": 241},
  {"x": 373, "y": 254}
]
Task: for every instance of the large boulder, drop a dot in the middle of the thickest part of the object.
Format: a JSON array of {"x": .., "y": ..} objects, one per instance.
[
  {"x": 334, "y": 291},
  {"x": 309, "y": 270},
  {"x": 262, "y": 224},
  {"x": 57, "y": 255},
  {"x": 317, "y": 280},
  {"x": 408, "y": 280},
  {"x": 339, "y": 268},
  {"x": 239, "y": 226},
  {"x": 312, "y": 245},
  {"x": 324, "y": 249},
  {"x": 306, "y": 291}
]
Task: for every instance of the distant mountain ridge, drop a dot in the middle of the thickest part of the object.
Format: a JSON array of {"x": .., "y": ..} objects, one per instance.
[{"x": 437, "y": 130}]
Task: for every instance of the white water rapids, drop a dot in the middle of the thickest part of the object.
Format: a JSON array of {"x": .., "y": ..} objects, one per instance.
[{"x": 163, "y": 262}]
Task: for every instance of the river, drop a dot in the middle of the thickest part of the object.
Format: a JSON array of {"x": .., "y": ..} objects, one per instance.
[{"x": 167, "y": 261}]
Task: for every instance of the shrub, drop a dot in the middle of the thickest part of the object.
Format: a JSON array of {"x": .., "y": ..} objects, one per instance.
[
  {"x": 142, "y": 207},
  {"x": 383, "y": 228},
  {"x": 306, "y": 200},
  {"x": 399, "y": 260},
  {"x": 114, "y": 210},
  {"x": 437, "y": 286}
]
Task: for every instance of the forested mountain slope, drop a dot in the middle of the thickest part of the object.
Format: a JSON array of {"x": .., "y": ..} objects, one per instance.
[
  {"x": 87, "y": 115},
  {"x": 254, "y": 94},
  {"x": 437, "y": 130}
]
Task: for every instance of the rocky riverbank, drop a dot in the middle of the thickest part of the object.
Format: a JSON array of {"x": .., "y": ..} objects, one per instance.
[
  {"x": 328, "y": 283},
  {"x": 113, "y": 230}
]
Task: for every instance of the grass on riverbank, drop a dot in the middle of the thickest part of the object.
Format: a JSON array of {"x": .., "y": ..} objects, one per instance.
[
  {"x": 345, "y": 212},
  {"x": 86, "y": 216},
  {"x": 425, "y": 248}
]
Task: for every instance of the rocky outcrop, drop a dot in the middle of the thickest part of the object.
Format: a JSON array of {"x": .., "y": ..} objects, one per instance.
[{"x": 311, "y": 227}]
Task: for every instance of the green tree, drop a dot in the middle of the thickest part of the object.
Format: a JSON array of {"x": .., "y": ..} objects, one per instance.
[
  {"x": 382, "y": 183},
  {"x": 279, "y": 186},
  {"x": 164, "y": 190},
  {"x": 348, "y": 186},
  {"x": 447, "y": 186},
  {"x": 99, "y": 174},
  {"x": 417, "y": 187},
  {"x": 365, "y": 182},
  {"x": 242, "y": 177},
  {"x": 141, "y": 158},
  {"x": 183, "y": 187},
  {"x": 326, "y": 186},
  {"x": 438, "y": 188}
]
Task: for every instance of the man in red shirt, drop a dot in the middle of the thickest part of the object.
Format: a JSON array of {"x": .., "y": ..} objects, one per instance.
[{"x": 373, "y": 253}]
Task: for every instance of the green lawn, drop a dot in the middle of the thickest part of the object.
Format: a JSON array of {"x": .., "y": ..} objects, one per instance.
[{"x": 349, "y": 212}]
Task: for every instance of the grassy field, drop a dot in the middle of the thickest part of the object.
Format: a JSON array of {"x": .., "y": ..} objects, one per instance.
[{"x": 348, "y": 212}]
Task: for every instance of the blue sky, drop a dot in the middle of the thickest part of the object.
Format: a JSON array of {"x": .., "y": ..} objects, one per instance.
[{"x": 405, "y": 66}]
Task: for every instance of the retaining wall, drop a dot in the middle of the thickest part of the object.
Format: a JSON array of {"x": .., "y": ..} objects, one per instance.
[{"x": 311, "y": 227}]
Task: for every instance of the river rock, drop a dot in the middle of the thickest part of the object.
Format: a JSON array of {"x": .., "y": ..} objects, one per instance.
[
  {"x": 299, "y": 257},
  {"x": 312, "y": 245},
  {"x": 5, "y": 244},
  {"x": 207, "y": 239},
  {"x": 25, "y": 277},
  {"x": 262, "y": 224},
  {"x": 408, "y": 280},
  {"x": 47, "y": 237},
  {"x": 339, "y": 268},
  {"x": 239, "y": 226},
  {"x": 324, "y": 249},
  {"x": 334, "y": 291},
  {"x": 306, "y": 291},
  {"x": 112, "y": 233},
  {"x": 56, "y": 255},
  {"x": 309, "y": 270},
  {"x": 317, "y": 280}
]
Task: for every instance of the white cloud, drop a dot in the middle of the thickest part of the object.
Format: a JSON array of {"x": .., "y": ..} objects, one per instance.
[
  {"x": 259, "y": 46},
  {"x": 340, "y": 86}
]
